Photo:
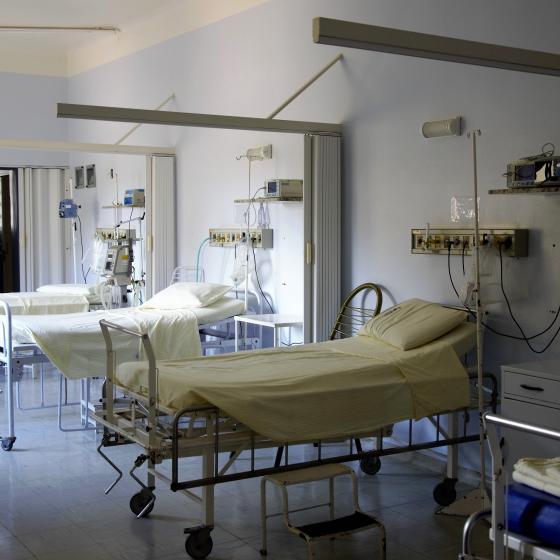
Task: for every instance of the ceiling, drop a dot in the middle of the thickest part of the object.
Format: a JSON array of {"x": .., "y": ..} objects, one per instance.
[
  {"x": 141, "y": 23},
  {"x": 114, "y": 13},
  {"x": 78, "y": 12}
]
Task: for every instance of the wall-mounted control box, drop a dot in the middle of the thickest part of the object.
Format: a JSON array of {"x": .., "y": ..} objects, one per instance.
[
  {"x": 429, "y": 241},
  {"x": 229, "y": 237}
]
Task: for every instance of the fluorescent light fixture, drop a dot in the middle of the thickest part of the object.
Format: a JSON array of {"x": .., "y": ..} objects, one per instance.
[
  {"x": 42, "y": 28},
  {"x": 446, "y": 127},
  {"x": 397, "y": 41}
]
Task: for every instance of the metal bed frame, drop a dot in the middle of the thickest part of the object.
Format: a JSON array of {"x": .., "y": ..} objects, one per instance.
[
  {"x": 13, "y": 358},
  {"x": 502, "y": 539},
  {"x": 205, "y": 432}
]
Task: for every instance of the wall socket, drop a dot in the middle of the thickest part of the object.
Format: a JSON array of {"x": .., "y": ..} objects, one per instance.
[{"x": 515, "y": 242}]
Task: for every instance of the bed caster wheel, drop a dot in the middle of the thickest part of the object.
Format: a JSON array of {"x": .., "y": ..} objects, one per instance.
[
  {"x": 199, "y": 544},
  {"x": 445, "y": 493},
  {"x": 8, "y": 443},
  {"x": 370, "y": 464},
  {"x": 142, "y": 503}
]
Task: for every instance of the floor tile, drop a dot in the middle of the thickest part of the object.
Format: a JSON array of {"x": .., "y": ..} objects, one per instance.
[{"x": 11, "y": 548}]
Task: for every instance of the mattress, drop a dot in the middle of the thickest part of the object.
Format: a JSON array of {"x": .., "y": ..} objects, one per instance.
[
  {"x": 222, "y": 309},
  {"x": 331, "y": 389},
  {"x": 38, "y": 303}
]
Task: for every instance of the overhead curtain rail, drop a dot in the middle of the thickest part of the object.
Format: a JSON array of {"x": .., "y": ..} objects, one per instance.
[
  {"x": 56, "y": 146},
  {"x": 410, "y": 43},
  {"x": 173, "y": 118}
]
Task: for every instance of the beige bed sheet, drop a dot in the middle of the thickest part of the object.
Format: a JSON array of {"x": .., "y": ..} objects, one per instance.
[
  {"x": 74, "y": 343},
  {"x": 331, "y": 389}
]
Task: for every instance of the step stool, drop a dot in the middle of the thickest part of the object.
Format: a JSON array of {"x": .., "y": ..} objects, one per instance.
[{"x": 334, "y": 527}]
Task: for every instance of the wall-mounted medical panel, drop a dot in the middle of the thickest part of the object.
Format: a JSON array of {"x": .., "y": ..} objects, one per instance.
[
  {"x": 430, "y": 241},
  {"x": 229, "y": 237},
  {"x": 90, "y": 176}
]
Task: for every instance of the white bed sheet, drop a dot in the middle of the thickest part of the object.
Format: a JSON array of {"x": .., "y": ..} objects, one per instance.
[
  {"x": 90, "y": 291},
  {"x": 75, "y": 345},
  {"x": 38, "y": 303},
  {"x": 332, "y": 389}
]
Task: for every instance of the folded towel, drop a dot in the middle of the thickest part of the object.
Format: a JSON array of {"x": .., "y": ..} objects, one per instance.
[{"x": 542, "y": 474}]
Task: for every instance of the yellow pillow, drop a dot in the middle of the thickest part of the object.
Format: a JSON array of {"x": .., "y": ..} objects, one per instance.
[{"x": 413, "y": 323}]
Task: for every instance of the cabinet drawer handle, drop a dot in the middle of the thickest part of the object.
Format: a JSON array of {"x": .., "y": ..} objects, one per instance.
[{"x": 531, "y": 388}]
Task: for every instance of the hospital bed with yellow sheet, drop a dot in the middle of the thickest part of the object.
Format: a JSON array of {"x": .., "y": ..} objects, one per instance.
[
  {"x": 73, "y": 343},
  {"x": 214, "y": 409}
]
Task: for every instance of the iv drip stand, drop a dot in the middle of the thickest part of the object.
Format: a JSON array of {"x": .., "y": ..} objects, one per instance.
[
  {"x": 73, "y": 226},
  {"x": 477, "y": 499}
]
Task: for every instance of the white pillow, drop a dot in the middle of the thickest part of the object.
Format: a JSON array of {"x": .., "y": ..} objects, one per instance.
[
  {"x": 413, "y": 323},
  {"x": 183, "y": 295}
]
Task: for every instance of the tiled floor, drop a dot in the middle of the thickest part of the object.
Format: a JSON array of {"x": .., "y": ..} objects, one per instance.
[{"x": 52, "y": 506}]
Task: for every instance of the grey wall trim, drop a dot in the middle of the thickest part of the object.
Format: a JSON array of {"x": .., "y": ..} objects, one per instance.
[{"x": 384, "y": 39}]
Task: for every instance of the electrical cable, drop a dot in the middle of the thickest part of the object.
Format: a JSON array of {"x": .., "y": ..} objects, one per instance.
[
  {"x": 84, "y": 274},
  {"x": 259, "y": 282},
  {"x": 462, "y": 255},
  {"x": 486, "y": 325},
  {"x": 198, "y": 256},
  {"x": 525, "y": 338}
]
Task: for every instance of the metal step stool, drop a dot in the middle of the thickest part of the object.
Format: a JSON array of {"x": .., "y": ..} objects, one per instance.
[{"x": 334, "y": 527}]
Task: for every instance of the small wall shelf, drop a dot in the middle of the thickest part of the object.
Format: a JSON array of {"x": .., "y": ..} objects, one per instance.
[
  {"x": 269, "y": 199},
  {"x": 115, "y": 206},
  {"x": 527, "y": 190}
]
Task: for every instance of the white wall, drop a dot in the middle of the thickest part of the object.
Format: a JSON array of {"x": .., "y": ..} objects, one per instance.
[
  {"x": 28, "y": 111},
  {"x": 210, "y": 178},
  {"x": 393, "y": 178}
]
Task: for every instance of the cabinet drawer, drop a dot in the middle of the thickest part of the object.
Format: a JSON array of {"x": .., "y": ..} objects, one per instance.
[
  {"x": 520, "y": 444},
  {"x": 532, "y": 388}
]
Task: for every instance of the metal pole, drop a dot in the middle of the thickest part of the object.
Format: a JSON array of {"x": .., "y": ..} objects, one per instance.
[
  {"x": 137, "y": 126},
  {"x": 479, "y": 356},
  {"x": 305, "y": 86}
]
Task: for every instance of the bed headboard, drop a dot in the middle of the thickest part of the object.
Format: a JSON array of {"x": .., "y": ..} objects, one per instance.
[
  {"x": 356, "y": 310},
  {"x": 186, "y": 274}
]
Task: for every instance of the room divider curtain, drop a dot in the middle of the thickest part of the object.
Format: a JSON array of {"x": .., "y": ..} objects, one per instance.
[{"x": 44, "y": 247}]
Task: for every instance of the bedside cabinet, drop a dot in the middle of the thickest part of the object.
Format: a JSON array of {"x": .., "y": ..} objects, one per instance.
[{"x": 531, "y": 393}]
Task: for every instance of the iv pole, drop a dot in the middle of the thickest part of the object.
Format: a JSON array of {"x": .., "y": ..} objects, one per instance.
[
  {"x": 477, "y": 499},
  {"x": 479, "y": 335},
  {"x": 73, "y": 226}
]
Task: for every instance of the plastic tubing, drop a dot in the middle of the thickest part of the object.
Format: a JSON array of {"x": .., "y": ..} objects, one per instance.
[{"x": 198, "y": 255}]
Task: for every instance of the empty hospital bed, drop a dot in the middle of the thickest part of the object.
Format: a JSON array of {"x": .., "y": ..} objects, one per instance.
[
  {"x": 218, "y": 407},
  {"x": 38, "y": 303},
  {"x": 74, "y": 345}
]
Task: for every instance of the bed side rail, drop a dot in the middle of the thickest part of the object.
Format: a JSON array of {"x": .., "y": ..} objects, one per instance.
[
  {"x": 106, "y": 328},
  {"x": 6, "y": 320},
  {"x": 213, "y": 439},
  {"x": 499, "y": 479},
  {"x": 353, "y": 313}
]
